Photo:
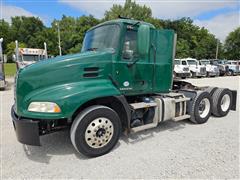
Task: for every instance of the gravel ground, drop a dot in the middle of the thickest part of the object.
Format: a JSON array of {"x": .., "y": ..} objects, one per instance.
[{"x": 172, "y": 150}]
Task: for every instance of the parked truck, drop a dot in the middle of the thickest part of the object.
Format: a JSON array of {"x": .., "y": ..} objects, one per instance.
[
  {"x": 3, "y": 83},
  {"x": 234, "y": 68},
  {"x": 212, "y": 70},
  {"x": 196, "y": 69},
  {"x": 120, "y": 82},
  {"x": 181, "y": 69},
  {"x": 27, "y": 56},
  {"x": 222, "y": 66}
]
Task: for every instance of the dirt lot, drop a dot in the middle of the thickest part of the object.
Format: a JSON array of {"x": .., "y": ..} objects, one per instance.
[{"x": 172, "y": 150}]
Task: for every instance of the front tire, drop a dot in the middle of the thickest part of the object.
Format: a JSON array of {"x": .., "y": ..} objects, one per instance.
[
  {"x": 222, "y": 102},
  {"x": 201, "y": 108},
  {"x": 95, "y": 131},
  {"x": 193, "y": 74}
]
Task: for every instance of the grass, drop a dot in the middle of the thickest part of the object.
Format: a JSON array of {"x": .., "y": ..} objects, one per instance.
[{"x": 10, "y": 69}]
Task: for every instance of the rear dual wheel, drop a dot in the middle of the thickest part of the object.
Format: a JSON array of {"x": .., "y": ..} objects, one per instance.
[
  {"x": 95, "y": 131},
  {"x": 222, "y": 102}
]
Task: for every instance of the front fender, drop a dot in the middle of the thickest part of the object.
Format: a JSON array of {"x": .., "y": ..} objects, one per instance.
[{"x": 69, "y": 97}]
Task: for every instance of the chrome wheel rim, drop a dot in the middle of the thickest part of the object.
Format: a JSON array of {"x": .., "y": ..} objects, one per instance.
[
  {"x": 99, "y": 132},
  {"x": 204, "y": 107},
  {"x": 225, "y": 102}
]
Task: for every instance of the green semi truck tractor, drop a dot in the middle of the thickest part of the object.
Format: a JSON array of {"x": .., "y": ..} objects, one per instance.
[{"x": 121, "y": 81}]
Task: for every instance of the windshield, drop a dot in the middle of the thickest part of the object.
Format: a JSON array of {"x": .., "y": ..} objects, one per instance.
[
  {"x": 215, "y": 62},
  {"x": 205, "y": 62},
  {"x": 192, "y": 62},
  {"x": 177, "y": 62},
  {"x": 31, "y": 57},
  {"x": 234, "y": 63},
  {"x": 101, "y": 38}
]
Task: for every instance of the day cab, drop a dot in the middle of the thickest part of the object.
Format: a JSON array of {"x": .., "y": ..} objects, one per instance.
[
  {"x": 120, "y": 81},
  {"x": 181, "y": 69}
]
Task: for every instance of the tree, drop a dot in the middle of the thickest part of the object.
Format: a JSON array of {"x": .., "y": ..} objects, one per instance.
[
  {"x": 24, "y": 28},
  {"x": 5, "y": 33},
  {"x": 131, "y": 10},
  {"x": 192, "y": 40},
  {"x": 232, "y": 45},
  {"x": 73, "y": 31}
]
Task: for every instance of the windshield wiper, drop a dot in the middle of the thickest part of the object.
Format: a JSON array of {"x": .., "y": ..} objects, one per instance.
[{"x": 92, "y": 49}]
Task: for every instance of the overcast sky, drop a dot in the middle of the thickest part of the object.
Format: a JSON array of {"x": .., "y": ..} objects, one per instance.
[{"x": 219, "y": 16}]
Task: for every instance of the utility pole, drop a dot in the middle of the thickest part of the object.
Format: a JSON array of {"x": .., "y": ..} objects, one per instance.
[
  {"x": 216, "y": 57},
  {"x": 45, "y": 49},
  {"x": 16, "y": 50},
  {"x": 59, "y": 39}
]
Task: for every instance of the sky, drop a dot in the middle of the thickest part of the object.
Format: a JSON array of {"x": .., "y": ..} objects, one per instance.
[{"x": 219, "y": 16}]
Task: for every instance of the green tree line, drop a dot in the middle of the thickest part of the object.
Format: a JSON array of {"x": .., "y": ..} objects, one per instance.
[{"x": 193, "y": 41}]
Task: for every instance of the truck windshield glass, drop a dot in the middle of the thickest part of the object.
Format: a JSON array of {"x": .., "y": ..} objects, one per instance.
[
  {"x": 192, "y": 62},
  {"x": 177, "y": 62},
  {"x": 205, "y": 62},
  {"x": 101, "y": 38},
  {"x": 30, "y": 58}
]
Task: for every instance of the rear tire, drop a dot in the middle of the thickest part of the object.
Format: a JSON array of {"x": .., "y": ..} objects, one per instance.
[
  {"x": 230, "y": 73},
  {"x": 201, "y": 108},
  {"x": 222, "y": 102},
  {"x": 211, "y": 90},
  {"x": 95, "y": 131}
]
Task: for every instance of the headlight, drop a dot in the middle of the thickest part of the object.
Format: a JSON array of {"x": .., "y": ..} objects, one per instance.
[{"x": 47, "y": 107}]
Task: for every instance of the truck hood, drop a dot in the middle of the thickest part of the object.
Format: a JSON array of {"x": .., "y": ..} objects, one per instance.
[{"x": 62, "y": 70}]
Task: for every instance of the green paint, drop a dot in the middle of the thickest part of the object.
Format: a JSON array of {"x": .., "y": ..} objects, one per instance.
[{"x": 62, "y": 79}]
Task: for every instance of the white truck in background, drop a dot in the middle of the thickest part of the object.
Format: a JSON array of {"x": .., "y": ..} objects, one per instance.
[
  {"x": 196, "y": 69},
  {"x": 181, "y": 69},
  {"x": 3, "y": 83},
  {"x": 233, "y": 66},
  {"x": 27, "y": 56},
  {"x": 212, "y": 70}
]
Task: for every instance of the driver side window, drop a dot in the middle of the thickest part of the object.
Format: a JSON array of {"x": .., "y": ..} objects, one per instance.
[
  {"x": 184, "y": 63},
  {"x": 130, "y": 45}
]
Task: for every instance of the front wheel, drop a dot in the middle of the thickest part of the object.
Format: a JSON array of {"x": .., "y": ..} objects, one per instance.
[
  {"x": 193, "y": 74},
  {"x": 95, "y": 131},
  {"x": 230, "y": 73}
]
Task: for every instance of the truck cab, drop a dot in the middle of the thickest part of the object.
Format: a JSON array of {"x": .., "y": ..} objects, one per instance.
[
  {"x": 233, "y": 67},
  {"x": 121, "y": 81},
  {"x": 196, "y": 69},
  {"x": 28, "y": 56},
  {"x": 3, "y": 83},
  {"x": 181, "y": 69},
  {"x": 212, "y": 70}
]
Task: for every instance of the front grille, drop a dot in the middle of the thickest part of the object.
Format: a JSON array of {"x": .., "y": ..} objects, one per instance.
[
  {"x": 226, "y": 68},
  {"x": 237, "y": 68},
  {"x": 185, "y": 69},
  {"x": 202, "y": 70}
]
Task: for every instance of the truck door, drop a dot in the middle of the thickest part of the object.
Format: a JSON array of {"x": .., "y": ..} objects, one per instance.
[
  {"x": 133, "y": 73},
  {"x": 164, "y": 42}
]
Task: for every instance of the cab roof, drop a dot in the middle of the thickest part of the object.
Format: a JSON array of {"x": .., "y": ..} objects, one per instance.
[{"x": 123, "y": 21}]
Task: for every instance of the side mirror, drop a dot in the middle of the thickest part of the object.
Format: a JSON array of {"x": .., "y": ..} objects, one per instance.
[
  {"x": 14, "y": 57},
  {"x": 143, "y": 39},
  {"x": 128, "y": 54}
]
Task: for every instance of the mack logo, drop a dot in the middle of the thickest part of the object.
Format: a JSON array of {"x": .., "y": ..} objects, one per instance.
[{"x": 126, "y": 84}]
